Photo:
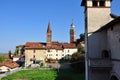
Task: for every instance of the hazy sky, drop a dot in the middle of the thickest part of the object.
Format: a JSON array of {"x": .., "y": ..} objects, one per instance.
[{"x": 24, "y": 21}]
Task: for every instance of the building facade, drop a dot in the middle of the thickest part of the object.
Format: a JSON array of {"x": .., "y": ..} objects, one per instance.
[{"x": 102, "y": 47}]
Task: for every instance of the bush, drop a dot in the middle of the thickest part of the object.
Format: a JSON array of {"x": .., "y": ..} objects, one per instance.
[
  {"x": 78, "y": 62},
  {"x": 2, "y": 58},
  {"x": 79, "y": 66}
]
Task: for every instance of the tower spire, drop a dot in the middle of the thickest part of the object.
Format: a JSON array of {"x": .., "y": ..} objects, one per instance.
[
  {"x": 49, "y": 35},
  {"x": 49, "y": 28}
]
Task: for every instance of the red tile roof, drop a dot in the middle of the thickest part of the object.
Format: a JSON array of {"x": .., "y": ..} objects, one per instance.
[
  {"x": 10, "y": 64},
  {"x": 69, "y": 45},
  {"x": 34, "y": 45},
  {"x": 54, "y": 45}
]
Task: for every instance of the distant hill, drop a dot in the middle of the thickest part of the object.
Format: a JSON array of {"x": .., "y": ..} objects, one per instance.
[{"x": 3, "y": 53}]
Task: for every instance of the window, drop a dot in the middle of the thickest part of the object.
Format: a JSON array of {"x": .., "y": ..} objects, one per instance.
[
  {"x": 105, "y": 54},
  {"x": 102, "y": 3},
  {"x": 33, "y": 56},
  {"x": 48, "y": 50},
  {"x": 114, "y": 78},
  {"x": 111, "y": 28},
  {"x": 68, "y": 50},
  {"x": 56, "y": 58},
  {"x": 34, "y": 51},
  {"x": 95, "y": 3}
]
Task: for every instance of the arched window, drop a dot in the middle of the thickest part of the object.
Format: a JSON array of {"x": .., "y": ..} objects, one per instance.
[
  {"x": 105, "y": 54},
  {"x": 114, "y": 78}
]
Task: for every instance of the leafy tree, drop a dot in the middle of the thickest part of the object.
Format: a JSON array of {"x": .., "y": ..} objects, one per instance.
[
  {"x": 77, "y": 57},
  {"x": 81, "y": 50},
  {"x": 2, "y": 58},
  {"x": 16, "y": 52},
  {"x": 82, "y": 37},
  {"x": 78, "y": 60}
]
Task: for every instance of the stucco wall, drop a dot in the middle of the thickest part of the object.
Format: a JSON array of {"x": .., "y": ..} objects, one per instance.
[
  {"x": 61, "y": 53},
  {"x": 97, "y": 17},
  {"x": 114, "y": 46},
  {"x": 96, "y": 43},
  {"x": 5, "y": 69},
  {"x": 114, "y": 41},
  {"x": 54, "y": 54},
  {"x": 29, "y": 53}
]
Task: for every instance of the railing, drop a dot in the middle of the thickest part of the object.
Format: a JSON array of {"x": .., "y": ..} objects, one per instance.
[{"x": 100, "y": 63}]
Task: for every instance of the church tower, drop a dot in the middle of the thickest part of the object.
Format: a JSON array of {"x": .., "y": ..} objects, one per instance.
[
  {"x": 97, "y": 14},
  {"x": 49, "y": 35},
  {"x": 72, "y": 33}
]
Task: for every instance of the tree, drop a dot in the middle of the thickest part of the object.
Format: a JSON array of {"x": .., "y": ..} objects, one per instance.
[
  {"x": 77, "y": 57},
  {"x": 16, "y": 52},
  {"x": 82, "y": 37},
  {"x": 78, "y": 60},
  {"x": 2, "y": 58},
  {"x": 81, "y": 50}
]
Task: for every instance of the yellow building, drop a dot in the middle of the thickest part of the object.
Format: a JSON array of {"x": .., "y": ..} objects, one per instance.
[{"x": 34, "y": 51}]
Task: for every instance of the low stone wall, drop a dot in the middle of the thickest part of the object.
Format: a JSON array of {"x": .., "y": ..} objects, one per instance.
[{"x": 11, "y": 72}]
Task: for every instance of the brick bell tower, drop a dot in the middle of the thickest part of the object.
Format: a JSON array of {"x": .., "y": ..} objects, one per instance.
[
  {"x": 72, "y": 33},
  {"x": 49, "y": 35}
]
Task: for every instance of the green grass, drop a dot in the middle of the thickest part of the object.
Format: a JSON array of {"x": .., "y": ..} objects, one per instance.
[
  {"x": 48, "y": 74},
  {"x": 69, "y": 74}
]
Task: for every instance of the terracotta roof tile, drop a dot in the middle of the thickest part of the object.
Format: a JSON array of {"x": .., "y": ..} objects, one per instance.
[
  {"x": 32, "y": 45},
  {"x": 54, "y": 45},
  {"x": 10, "y": 64},
  {"x": 69, "y": 45}
]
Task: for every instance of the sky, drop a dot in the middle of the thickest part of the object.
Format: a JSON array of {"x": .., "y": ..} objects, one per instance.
[{"x": 24, "y": 21}]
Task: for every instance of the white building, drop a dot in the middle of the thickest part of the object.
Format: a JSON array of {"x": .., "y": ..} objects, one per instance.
[
  {"x": 61, "y": 51},
  {"x": 8, "y": 66}
]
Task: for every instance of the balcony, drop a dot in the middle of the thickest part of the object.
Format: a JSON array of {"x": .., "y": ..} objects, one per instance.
[{"x": 104, "y": 64}]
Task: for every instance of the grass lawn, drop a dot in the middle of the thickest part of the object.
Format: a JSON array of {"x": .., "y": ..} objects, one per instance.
[{"x": 45, "y": 74}]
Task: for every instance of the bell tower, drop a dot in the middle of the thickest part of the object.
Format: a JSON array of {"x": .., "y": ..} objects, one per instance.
[
  {"x": 72, "y": 33},
  {"x": 97, "y": 13},
  {"x": 49, "y": 35}
]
